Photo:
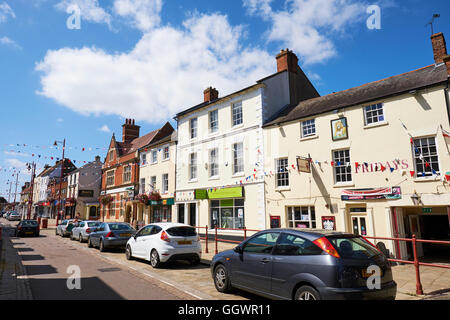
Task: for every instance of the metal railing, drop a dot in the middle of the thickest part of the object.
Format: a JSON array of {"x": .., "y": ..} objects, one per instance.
[{"x": 413, "y": 240}]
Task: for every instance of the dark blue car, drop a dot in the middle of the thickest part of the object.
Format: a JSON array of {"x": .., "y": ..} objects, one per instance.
[
  {"x": 299, "y": 264},
  {"x": 111, "y": 235}
]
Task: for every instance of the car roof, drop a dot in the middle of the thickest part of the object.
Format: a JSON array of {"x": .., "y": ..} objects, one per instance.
[
  {"x": 312, "y": 232},
  {"x": 167, "y": 225}
]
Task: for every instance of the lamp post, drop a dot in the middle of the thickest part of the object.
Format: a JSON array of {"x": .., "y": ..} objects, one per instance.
[
  {"x": 61, "y": 179},
  {"x": 15, "y": 193},
  {"x": 31, "y": 167}
]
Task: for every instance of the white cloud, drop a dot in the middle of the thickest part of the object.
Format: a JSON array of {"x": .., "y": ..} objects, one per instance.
[
  {"x": 105, "y": 129},
  {"x": 16, "y": 154},
  {"x": 145, "y": 14},
  {"x": 5, "y": 12},
  {"x": 166, "y": 71},
  {"x": 8, "y": 42},
  {"x": 15, "y": 163},
  {"x": 309, "y": 27},
  {"x": 90, "y": 10},
  {"x": 60, "y": 120}
]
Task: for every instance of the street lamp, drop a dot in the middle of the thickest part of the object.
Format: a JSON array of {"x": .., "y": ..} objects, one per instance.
[
  {"x": 32, "y": 168},
  {"x": 60, "y": 181}
]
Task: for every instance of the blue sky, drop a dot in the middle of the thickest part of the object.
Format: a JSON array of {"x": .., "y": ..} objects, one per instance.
[{"x": 148, "y": 59}]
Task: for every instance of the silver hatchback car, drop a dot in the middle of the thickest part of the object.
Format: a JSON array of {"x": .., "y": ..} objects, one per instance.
[{"x": 83, "y": 230}]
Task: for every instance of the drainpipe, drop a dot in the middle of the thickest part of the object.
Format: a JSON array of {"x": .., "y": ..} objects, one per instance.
[{"x": 447, "y": 102}]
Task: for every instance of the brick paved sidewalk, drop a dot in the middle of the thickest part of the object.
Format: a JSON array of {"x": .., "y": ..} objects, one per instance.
[{"x": 13, "y": 280}]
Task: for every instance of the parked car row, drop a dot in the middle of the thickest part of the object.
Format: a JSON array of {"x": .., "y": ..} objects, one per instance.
[
  {"x": 286, "y": 264},
  {"x": 11, "y": 215}
]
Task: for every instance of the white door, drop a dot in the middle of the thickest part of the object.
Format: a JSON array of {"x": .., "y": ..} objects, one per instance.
[
  {"x": 414, "y": 226},
  {"x": 138, "y": 247}
]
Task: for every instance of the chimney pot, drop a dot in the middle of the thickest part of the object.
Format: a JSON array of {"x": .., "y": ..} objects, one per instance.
[
  {"x": 211, "y": 94},
  {"x": 439, "y": 47},
  {"x": 287, "y": 60},
  {"x": 130, "y": 131}
]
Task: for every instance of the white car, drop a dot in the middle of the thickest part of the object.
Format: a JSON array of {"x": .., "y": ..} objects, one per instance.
[{"x": 164, "y": 242}]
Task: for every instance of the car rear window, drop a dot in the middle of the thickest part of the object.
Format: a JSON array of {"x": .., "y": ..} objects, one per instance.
[
  {"x": 120, "y": 227},
  {"x": 93, "y": 224},
  {"x": 29, "y": 223},
  {"x": 353, "y": 248},
  {"x": 181, "y": 232}
]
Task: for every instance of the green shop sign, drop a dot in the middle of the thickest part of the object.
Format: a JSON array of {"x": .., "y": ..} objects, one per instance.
[
  {"x": 227, "y": 193},
  {"x": 201, "y": 194}
]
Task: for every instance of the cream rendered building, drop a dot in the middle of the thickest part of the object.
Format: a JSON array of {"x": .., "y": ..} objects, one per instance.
[
  {"x": 220, "y": 151},
  {"x": 378, "y": 156},
  {"x": 157, "y": 174}
]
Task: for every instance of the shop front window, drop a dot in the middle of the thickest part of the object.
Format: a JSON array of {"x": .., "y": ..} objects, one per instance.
[
  {"x": 227, "y": 214},
  {"x": 302, "y": 217}
]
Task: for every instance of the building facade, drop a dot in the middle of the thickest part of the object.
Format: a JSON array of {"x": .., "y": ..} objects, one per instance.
[
  {"x": 372, "y": 160},
  {"x": 220, "y": 150},
  {"x": 84, "y": 186},
  {"x": 157, "y": 178}
]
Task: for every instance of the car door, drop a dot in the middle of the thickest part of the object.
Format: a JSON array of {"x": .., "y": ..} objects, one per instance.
[
  {"x": 95, "y": 237},
  {"x": 293, "y": 256},
  {"x": 138, "y": 246},
  {"x": 252, "y": 268}
]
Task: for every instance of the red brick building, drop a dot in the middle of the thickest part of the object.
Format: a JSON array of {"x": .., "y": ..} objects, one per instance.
[{"x": 120, "y": 173}]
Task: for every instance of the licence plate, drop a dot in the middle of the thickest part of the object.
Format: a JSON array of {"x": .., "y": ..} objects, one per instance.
[
  {"x": 366, "y": 274},
  {"x": 28, "y": 232},
  {"x": 125, "y": 235},
  {"x": 184, "y": 242}
]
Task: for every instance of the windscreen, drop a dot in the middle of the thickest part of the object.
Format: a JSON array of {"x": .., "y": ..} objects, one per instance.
[
  {"x": 353, "y": 248},
  {"x": 120, "y": 227},
  {"x": 29, "y": 223},
  {"x": 93, "y": 224},
  {"x": 182, "y": 232}
]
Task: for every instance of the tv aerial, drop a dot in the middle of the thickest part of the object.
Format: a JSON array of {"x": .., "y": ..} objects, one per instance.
[{"x": 435, "y": 16}]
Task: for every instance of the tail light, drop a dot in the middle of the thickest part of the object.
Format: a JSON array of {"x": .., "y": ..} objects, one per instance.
[
  {"x": 165, "y": 237},
  {"x": 88, "y": 230},
  {"x": 19, "y": 228},
  {"x": 110, "y": 235},
  {"x": 326, "y": 246}
]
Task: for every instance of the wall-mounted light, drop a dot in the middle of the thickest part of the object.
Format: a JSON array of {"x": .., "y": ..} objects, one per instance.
[{"x": 416, "y": 199}]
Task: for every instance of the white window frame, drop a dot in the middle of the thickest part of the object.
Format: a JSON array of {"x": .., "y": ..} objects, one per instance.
[
  {"x": 290, "y": 211},
  {"x": 108, "y": 177},
  {"x": 165, "y": 183},
  {"x": 213, "y": 123},
  {"x": 142, "y": 185},
  {"x": 310, "y": 126},
  {"x": 282, "y": 173},
  {"x": 193, "y": 131},
  {"x": 164, "y": 154},
  {"x": 238, "y": 162},
  {"x": 344, "y": 166},
  {"x": 126, "y": 173},
  {"x": 214, "y": 163},
  {"x": 193, "y": 173},
  {"x": 426, "y": 158},
  {"x": 153, "y": 181},
  {"x": 152, "y": 153},
  {"x": 375, "y": 119},
  {"x": 144, "y": 159},
  {"x": 241, "y": 113}
]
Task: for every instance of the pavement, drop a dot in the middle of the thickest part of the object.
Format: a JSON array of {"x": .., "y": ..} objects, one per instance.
[{"x": 197, "y": 282}]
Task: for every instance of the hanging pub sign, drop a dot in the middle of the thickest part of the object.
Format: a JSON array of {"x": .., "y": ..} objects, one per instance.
[
  {"x": 339, "y": 129},
  {"x": 391, "y": 193},
  {"x": 304, "y": 165},
  {"x": 329, "y": 223}
]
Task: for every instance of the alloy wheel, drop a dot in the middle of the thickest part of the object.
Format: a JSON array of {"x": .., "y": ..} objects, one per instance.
[{"x": 306, "y": 296}]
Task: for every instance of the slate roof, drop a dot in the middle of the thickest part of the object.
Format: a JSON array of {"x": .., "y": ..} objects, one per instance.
[{"x": 417, "y": 79}]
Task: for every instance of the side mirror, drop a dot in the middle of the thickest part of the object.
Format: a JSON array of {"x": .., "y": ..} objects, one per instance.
[{"x": 238, "y": 249}]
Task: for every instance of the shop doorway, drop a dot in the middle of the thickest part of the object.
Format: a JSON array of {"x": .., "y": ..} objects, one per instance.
[
  {"x": 181, "y": 213},
  {"x": 358, "y": 221},
  {"x": 436, "y": 227},
  {"x": 193, "y": 214}
]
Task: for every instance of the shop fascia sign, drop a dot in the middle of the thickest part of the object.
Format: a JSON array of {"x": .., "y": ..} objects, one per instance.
[
  {"x": 369, "y": 167},
  {"x": 390, "y": 193}
]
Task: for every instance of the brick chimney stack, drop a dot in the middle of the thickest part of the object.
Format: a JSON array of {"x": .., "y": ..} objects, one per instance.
[
  {"x": 439, "y": 47},
  {"x": 211, "y": 94},
  {"x": 130, "y": 131},
  {"x": 287, "y": 60}
]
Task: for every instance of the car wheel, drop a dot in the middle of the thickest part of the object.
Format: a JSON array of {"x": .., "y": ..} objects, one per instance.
[
  {"x": 221, "y": 279},
  {"x": 307, "y": 293},
  {"x": 195, "y": 262},
  {"x": 81, "y": 238},
  {"x": 90, "y": 243},
  {"x": 128, "y": 253},
  {"x": 154, "y": 259},
  {"x": 101, "y": 246}
]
